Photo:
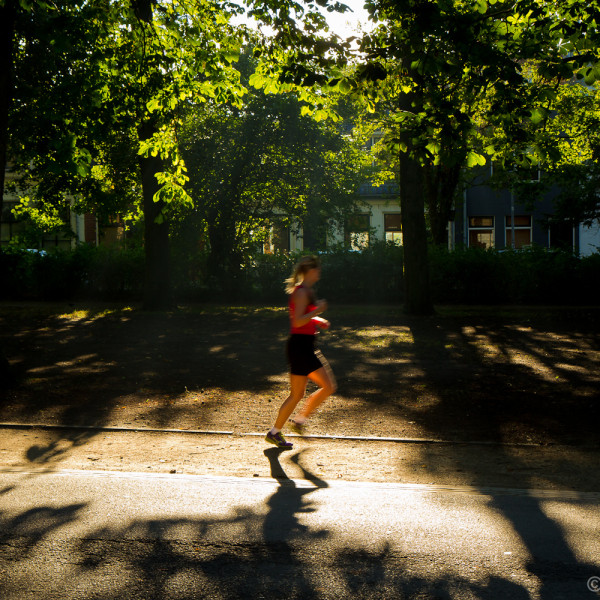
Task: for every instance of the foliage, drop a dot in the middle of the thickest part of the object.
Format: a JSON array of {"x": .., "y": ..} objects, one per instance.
[
  {"x": 260, "y": 164},
  {"x": 530, "y": 276},
  {"x": 466, "y": 276},
  {"x": 44, "y": 276},
  {"x": 373, "y": 275},
  {"x": 567, "y": 148},
  {"x": 37, "y": 220}
]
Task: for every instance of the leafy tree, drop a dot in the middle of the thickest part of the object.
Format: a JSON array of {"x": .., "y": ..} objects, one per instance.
[
  {"x": 442, "y": 73},
  {"x": 264, "y": 162},
  {"x": 122, "y": 70},
  {"x": 63, "y": 148},
  {"x": 118, "y": 71},
  {"x": 567, "y": 148}
]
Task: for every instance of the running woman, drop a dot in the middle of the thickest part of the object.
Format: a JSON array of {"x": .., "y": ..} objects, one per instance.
[{"x": 305, "y": 361}]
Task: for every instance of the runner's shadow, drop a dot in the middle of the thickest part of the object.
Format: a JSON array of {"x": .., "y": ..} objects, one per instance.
[
  {"x": 277, "y": 471},
  {"x": 282, "y": 523}
]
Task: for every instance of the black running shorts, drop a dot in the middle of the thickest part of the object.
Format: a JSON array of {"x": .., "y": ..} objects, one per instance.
[{"x": 302, "y": 355}]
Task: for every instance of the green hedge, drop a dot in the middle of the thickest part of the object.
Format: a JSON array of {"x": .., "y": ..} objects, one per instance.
[
  {"x": 529, "y": 276},
  {"x": 104, "y": 273},
  {"x": 467, "y": 276}
]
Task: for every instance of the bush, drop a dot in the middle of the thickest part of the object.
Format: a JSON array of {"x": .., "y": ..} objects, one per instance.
[
  {"x": 114, "y": 273},
  {"x": 104, "y": 273},
  {"x": 528, "y": 276},
  {"x": 465, "y": 276},
  {"x": 374, "y": 275},
  {"x": 30, "y": 274}
]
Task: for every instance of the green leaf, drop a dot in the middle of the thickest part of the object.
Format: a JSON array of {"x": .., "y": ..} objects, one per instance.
[
  {"x": 433, "y": 147},
  {"x": 257, "y": 80},
  {"x": 481, "y": 6},
  {"x": 474, "y": 159},
  {"x": 538, "y": 115},
  {"x": 153, "y": 105}
]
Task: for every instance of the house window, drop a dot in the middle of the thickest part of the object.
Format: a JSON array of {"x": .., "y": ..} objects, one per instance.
[
  {"x": 481, "y": 232},
  {"x": 522, "y": 231},
  {"x": 560, "y": 235},
  {"x": 357, "y": 231},
  {"x": 278, "y": 239},
  {"x": 393, "y": 228}
]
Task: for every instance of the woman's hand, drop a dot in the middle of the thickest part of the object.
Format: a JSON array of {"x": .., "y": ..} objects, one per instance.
[
  {"x": 322, "y": 323},
  {"x": 321, "y": 305}
]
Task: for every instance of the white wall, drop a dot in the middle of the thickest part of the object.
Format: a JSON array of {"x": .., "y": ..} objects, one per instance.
[{"x": 589, "y": 239}]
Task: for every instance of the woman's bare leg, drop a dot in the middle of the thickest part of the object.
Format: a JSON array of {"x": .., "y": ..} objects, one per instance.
[
  {"x": 324, "y": 378},
  {"x": 297, "y": 390}
]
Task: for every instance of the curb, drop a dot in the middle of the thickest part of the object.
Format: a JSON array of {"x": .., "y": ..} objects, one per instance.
[
  {"x": 535, "y": 493},
  {"x": 395, "y": 440}
]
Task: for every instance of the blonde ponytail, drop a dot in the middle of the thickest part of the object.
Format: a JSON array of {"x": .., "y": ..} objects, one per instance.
[{"x": 305, "y": 264}]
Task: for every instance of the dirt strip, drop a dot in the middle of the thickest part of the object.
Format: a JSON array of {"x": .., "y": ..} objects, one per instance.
[{"x": 453, "y": 464}]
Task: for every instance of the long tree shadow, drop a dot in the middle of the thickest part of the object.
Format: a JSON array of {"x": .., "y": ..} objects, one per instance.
[
  {"x": 254, "y": 551},
  {"x": 550, "y": 552},
  {"x": 132, "y": 368}
]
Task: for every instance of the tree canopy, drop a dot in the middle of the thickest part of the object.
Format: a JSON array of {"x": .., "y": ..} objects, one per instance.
[
  {"x": 261, "y": 164},
  {"x": 451, "y": 84}
]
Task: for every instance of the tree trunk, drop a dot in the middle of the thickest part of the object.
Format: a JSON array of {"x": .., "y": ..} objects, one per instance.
[
  {"x": 7, "y": 32},
  {"x": 223, "y": 260},
  {"x": 414, "y": 234},
  {"x": 440, "y": 188},
  {"x": 414, "y": 230},
  {"x": 157, "y": 276},
  {"x": 157, "y": 272}
]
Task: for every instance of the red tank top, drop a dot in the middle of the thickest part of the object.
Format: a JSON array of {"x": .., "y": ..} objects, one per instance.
[{"x": 310, "y": 328}]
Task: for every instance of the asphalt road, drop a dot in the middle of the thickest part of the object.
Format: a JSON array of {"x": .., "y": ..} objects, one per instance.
[{"x": 75, "y": 534}]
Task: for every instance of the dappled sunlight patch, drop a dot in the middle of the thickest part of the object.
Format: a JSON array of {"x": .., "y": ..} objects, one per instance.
[
  {"x": 89, "y": 363},
  {"x": 278, "y": 379},
  {"x": 374, "y": 337},
  {"x": 83, "y": 359},
  {"x": 575, "y": 368},
  {"x": 424, "y": 401},
  {"x": 530, "y": 361},
  {"x": 236, "y": 311},
  {"x": 91, "y": 314},
  {"x": 202, "y": 395},
  {"x": 482, "y": 342}
]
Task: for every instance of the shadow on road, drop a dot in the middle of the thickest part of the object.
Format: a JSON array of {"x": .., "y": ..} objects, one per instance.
[{"x": 263, "y": 550}]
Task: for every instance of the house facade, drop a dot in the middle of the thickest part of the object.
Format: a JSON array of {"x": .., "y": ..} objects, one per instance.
[{"x": 484, "y": 217}]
